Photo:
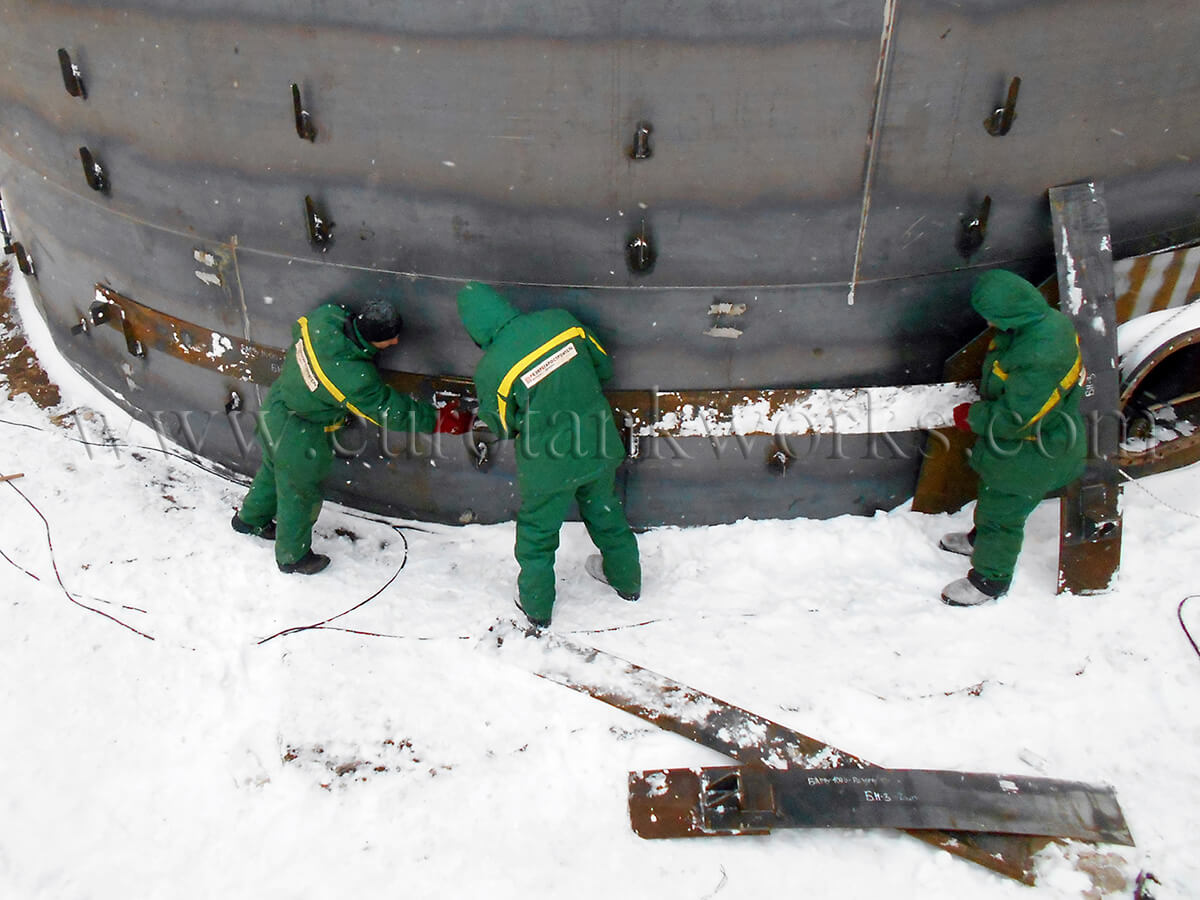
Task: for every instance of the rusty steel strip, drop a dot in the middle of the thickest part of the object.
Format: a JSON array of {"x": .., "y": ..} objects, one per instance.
[
  {"x": 743, "y": 735},
  {"x": 687, "y": 413}
]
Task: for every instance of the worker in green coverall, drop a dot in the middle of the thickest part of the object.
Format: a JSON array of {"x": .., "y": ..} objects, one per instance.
[
  {"x": 328, "y": 374},
  {"x": 539, "y": 383},
  {"x": 1031, "y": 437}
]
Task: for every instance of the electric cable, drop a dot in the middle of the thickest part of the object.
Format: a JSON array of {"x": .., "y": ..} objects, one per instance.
[
  {"x": 359, "y": 605},
  {"x": 1183, "y": 625},
  {"x": 58, "y": 575}
]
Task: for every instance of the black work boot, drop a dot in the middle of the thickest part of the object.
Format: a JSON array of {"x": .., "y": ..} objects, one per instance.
[
  {"x": 309, "y": 564},
  {"x": 266, "y": 532}
]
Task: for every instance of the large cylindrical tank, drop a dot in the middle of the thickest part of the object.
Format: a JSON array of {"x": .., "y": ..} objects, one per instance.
[{"x": 818, "y": 182}]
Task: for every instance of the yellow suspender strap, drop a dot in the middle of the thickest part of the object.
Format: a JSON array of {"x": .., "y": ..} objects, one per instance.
[
  {"x": 1068, "y": 381},
  {"x": 322, "y": 377},
  {"x": 504, "y": 391}
]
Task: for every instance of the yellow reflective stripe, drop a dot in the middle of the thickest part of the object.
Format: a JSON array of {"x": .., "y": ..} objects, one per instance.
[
  {"x": 322, "y": 377},
  {"x": 597, "y": 343},
  {"x": 1068, "y": 381},
  {"x": 505, "y": 388},
  {"x": 997, "y": 371}
]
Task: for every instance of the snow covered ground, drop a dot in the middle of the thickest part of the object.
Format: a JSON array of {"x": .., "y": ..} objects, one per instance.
[{"x": 155, "y": 745}]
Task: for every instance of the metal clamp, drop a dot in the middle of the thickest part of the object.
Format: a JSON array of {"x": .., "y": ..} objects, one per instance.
[
  {"x": 481, "y": 450},
  {"x": 24, "y": 260},
  {"x": 93, "y": 172},
  {"x": 778, "y": 461},
  {"x": 102, "y": 310},
  {"x": 640, "y": 252},
  {"x": 72, "y": 77},
  {"x": 304, "y": 123},
  {"x": 1002, "y": 117},
  {"x": 641, "y": 141},
  {"x": 974, "y": 230},
  {"x": 320, "y": 228}
]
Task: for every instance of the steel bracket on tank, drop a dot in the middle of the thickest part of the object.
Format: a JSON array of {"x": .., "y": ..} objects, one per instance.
[
  {"x": 71, "y": 76},
  {"x": 104, "y": 310},
  {"x": 640, "y": 252},
  {"x": 4, "y": 230},
  {"x": 304, "y": 122},
  {"x": 1000, "y": 122},
  {"x": 24, "y": 260},
  {"x": 974, "y": 230},
  {"x": 641, "y": 141},
  {"x": 320, "y": 226},
  {"x": 93, "y": 172}
]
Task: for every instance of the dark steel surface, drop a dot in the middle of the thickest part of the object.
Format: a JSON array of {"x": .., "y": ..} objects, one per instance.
[
  {"x": 1089, "y": 554},
  {"x": 495, "y": 141},
  {"x": 751, "y": 800}
]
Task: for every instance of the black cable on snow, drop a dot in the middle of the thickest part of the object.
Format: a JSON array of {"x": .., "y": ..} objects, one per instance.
[
  {"x": 359, "y": 605},
  {"x": 58, "y": 575},
  {"x": 1183, "y": 625}
]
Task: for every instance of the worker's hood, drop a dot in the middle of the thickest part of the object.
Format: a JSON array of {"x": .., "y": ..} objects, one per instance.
[
  {"x": 1008, "y": 301},
  {"x": 483, "y": 312}
]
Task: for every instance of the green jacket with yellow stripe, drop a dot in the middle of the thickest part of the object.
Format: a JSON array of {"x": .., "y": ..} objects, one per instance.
[
  {"x": 329, "y": 372},
  {"x": 539, "y": 383},
  {"x": 1031, "y": 435}
]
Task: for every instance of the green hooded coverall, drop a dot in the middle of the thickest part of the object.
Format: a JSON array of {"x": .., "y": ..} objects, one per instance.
[
  {"x": 1031, "y": 435},
  {"x": 539, "y": 382},
  {"x": 328, "y": 374}
]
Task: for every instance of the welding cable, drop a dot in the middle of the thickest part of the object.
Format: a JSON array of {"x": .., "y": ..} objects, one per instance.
[
  {"x": 1183, "y": 624},
  {"x": 359, "y": 605},
  {"x": 58, "y": 575}
]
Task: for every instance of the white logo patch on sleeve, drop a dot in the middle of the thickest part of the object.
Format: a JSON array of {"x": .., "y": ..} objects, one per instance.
[
  {"x": 548, "y": 365},
  {"x": 306, "y": 371}
]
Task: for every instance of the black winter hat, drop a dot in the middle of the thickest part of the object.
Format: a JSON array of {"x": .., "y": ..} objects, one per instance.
[{"x": 379, "y": 321}]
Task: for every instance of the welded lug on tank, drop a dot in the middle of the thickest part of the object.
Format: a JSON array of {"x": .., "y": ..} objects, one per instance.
[
  {"x": 778, "y": 460},
  {"x": 641, "y": 141},
  {"x": 24, "y": 260},
  {"x": 640, "y": 252},
  {"x": 481, "y": 450},
  {"x": 102, "y": 311},
  {"x": 320, "y": 228},
  {"x": 4, "y": 231},
  {"x": 974, "y": 230},
  {"x": 93, "y": 172},
  {"x": 1001, "y": 119},
  {"x": 304, "y": 123},
  {"x": 72, "y": 77},
  {"x": 630, "y": 437}
]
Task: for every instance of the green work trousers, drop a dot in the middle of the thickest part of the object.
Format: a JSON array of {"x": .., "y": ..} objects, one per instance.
[
  {"x": 1000, "y": 529},
  {"x": 297, "y": 456},
  {"x": 539, "y": 521}
]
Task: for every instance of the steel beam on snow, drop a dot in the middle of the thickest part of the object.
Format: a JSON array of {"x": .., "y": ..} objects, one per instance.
[{"x": 731, "y": 800}]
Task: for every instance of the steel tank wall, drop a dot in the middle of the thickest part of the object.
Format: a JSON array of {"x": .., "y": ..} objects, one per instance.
[{"x": 803, "y": 154}]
